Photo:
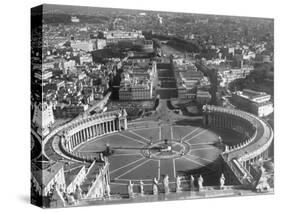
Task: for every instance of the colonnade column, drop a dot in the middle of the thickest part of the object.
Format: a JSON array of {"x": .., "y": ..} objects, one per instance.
[
  {"x": 90, "y": 132},
  {"x": 87, "y": 133},
  {"x": 105, "y": 127},
  {"x": 77, "y": 138},
  {"x": 95, "y": 130},
  {"x": 113, "y": 125},
  {"x": 73, "y": 140},
  {"x": 84, "y": 134},
  {"x": 110, "y": 126},
  {"x": 99, "y": 129}
]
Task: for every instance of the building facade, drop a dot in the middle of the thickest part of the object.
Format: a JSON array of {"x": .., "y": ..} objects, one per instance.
[
  {"x": 136, "y": 92},
  {"x": 254, "y": 102},
  {"x": 203, "y": 97}
]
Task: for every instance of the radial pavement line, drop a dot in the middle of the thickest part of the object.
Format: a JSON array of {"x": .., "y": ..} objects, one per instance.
[
  {"x": 144, "y": 128},
  {"x": 131, "y": 138},
  {"x": 115, "y": 170},
  {"x": 190, "y": 133},
  {"x": 201, "y": 148},
  {"x": 196, "y": 157},
  {"x": 132, "y": 169},
  {"x": 111, "y": 183},
  {"x": 186, "y": 141},
  {"x": 129, "y": 154},
  {"x": 138, "y": 135},
  {"x": 208, "y": 143},
  {"x": 99, "y": 138},
  {"x": 193, "y": 161}
]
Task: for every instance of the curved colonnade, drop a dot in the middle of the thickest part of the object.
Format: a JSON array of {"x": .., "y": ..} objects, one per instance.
[
  {"x": 257, "y": 133},
  {"x": 89, "y": 128},
  {"x": 258, "y": 137}
]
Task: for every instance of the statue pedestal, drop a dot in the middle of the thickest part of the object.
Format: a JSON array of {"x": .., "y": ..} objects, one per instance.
[
  {"x": 166, "y": 190},
  {"x": 131, "y": 195},
  {"x": 178, "y": 190},
  {"x": 155, "y": 190}
]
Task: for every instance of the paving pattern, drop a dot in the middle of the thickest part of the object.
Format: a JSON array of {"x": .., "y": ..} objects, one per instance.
[{"x": 129, "y": 162}]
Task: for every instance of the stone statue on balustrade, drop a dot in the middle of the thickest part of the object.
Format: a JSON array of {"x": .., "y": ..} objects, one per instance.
[
  {"x": 178, "y": 184},
  {"x": 262, "y": 184},
  {"x": 101, "y": 156},
  {"x": 123, "y": 112},
  {"x": 57, "y": 199},
  {"x": 166, "y": 184},
  {"x": 64, "y": 137},
  {"x": 108, "y": 190},
  {"x": 130, "y": 189},
  {"x": 200, "y": 183},
  {"x": 191, "y": 183},
  {"x": 70, "y": 199},
  {"x": 78, "y": 193},
  {"x": 204, "y": 108},
  {"x": 222, "y": 181},
  {"x": 141, "y": 188},
  {"x": 155, "y": 186}
]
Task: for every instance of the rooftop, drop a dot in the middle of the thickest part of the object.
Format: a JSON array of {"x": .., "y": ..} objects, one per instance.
[{"x": 250, "y": 94}]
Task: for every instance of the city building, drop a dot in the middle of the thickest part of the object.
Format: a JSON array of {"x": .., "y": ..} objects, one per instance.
[
  {"x": 227, "y": 74},
  {"x": 74, "y": 19},
  {"x": 255, "y": 102},
  {"x": 118, "y": 35},
  {"x": 136, "y": 92},
  {"x": 86, "y": 58},
  {"x": 143, "y": 45},
  {"x": 69, "y": 111},
  {"x": 47, "y": 65},
  {"x": 83, "y": 45},
  {"x": 138, "y": 80},
  {"x": 203, "y": 97},
  {"x": 99, "y": 43},
  {"x": 68, "y": 65}
]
